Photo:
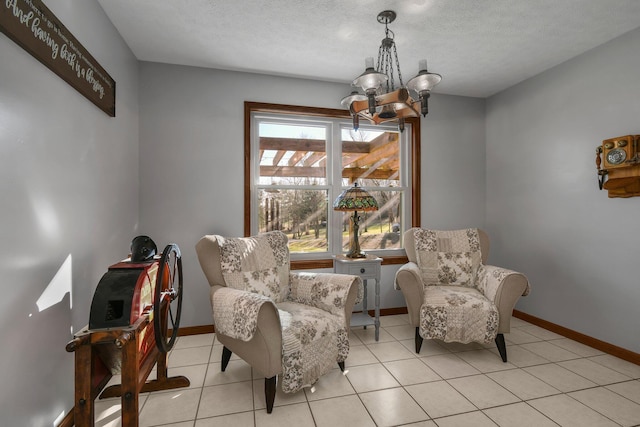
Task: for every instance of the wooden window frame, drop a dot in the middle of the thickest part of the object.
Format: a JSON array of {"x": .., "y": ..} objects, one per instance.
[{"x": 261, "y": 107}]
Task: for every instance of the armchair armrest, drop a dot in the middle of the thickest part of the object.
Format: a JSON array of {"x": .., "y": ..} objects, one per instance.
[
  {"x": 331, "y": 292},
  {"x": 235, "y": 312},
  {"x": 503, "y": 287},
  {"x": 409, "y": 281}
]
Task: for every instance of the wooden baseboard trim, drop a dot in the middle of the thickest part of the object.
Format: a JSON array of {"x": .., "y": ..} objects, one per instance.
[
  {"x": 389, "y": 311},
  {"x": 611, "y": 349},
  {"x": 195, "y": 330}
]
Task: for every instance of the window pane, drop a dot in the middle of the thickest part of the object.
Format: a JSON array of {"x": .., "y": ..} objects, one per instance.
[
  {"x": 301, "y": 160},
  {"x": 301, "y": 214},
  {"x": 371, "y": 157},
  {"x": 381, "y": 229},
  {"x": 292, "y": 154}
]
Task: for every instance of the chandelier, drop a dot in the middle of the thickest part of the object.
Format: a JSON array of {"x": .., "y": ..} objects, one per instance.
[{"x": 381, "y": 101}]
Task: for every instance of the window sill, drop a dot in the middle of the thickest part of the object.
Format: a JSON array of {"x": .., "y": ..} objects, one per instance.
[{"x": 312, "y": 264}]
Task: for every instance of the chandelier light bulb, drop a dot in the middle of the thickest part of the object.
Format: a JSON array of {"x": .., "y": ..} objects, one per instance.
[{"x": 368, "y": 62}]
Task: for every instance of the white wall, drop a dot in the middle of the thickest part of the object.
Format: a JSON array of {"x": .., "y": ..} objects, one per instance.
[
  {"x": 69, "y": 191},
  {"x": 545, "y": 213},
  {"x": 192, "y": 154},
  {"x": 453, "y": 163}
]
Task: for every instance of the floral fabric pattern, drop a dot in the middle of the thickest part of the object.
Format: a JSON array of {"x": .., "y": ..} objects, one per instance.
[
  {"x": 264, "y": 282},
  {"x": 490, "y": 279},
  {"x": 457, "y": 314},
  {"x": 256, "y": 264},
  {"x": 235, "y": 312},
  {"x": 450, "y": 257},
  {"x": 312, "y": 342},
  {"x": 447, "y": 240},
  {"x": 327, "y": 291},
  {"x": 457, "y": 268}
]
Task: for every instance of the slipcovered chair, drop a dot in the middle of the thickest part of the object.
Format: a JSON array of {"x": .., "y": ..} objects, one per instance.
[
  {"x": 451, "y": 294},
  {"x": 291, "y": 324}
]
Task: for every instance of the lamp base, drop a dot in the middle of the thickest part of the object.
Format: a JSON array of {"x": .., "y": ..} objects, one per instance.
[
  {"x": 354, "y": 244},
  {"x": 355, "y": 255}
]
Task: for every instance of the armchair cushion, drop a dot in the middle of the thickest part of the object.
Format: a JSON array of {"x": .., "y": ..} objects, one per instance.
[
  {"x": 257, "y": 264},
  {"x": 448, "y": 257},
  {"x": 327, "y": 291},
  {"x": 313, "y": 340},
  {"x": 457, "y": 314}
]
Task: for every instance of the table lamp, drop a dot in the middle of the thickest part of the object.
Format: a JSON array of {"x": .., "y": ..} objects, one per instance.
[{"x": 355, "y": 199}]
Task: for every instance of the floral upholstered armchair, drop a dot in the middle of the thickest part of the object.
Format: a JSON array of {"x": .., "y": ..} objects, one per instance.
[
  {"x": 288, "y": 324},
  {"x": 451, "y": 294}
]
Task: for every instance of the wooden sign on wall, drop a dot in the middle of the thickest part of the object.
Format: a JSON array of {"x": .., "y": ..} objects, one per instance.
[{"x": 36, "y": 29}]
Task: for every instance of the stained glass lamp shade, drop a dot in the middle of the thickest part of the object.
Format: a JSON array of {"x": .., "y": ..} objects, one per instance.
[{"x": 355, "y": 199}]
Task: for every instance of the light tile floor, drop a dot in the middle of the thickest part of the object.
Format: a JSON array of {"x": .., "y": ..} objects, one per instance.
[{"x": 548, "y": 381}]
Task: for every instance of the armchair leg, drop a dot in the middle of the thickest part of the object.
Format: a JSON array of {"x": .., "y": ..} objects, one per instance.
[
  {"x": 418, "y": 340},
  {"x": 502, "y": 347},
  {"x": 270, "y": 392},
  {"x": 341, "y": 365},
  {"x": 226, "y": 355}
]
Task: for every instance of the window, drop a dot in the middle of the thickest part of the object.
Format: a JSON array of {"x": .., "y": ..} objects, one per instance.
[{"x": 299, "y": 159}]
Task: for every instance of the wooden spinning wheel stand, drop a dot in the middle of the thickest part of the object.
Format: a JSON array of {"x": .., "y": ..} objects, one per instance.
[{"x": 133, "y": 350}]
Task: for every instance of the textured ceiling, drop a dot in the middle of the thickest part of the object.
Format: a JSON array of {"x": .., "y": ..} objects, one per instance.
[{"x": 479, "y": 46}]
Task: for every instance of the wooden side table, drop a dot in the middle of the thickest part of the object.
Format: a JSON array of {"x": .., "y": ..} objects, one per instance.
[{"x": 367, "y": 268}]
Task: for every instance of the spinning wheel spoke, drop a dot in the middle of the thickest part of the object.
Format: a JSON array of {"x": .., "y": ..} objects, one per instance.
[
  {"x": 168, "y": 296},
  {"x": 171, "y": 316},
  {"x": 173, "y": 271}
]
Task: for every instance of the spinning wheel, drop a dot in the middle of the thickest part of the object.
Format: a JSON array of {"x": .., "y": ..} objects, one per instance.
[
  {"x": 135, "y": 304},
  {"x": 168, "y": 298}
]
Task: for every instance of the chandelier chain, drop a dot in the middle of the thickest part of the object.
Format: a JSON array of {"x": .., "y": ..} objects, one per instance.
[
  {"x": 395, "y": 53},
  {"x": 388, "y": 69},
  {"x": 391, "y": 85},
  {"x": 385, "y": 58}
]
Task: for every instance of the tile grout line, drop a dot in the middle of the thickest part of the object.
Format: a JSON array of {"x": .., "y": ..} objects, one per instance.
[
  {"x": 366, "y": 343},
  {"x": 206, "y": 371},
  {"x": 483, "y": 374}
]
